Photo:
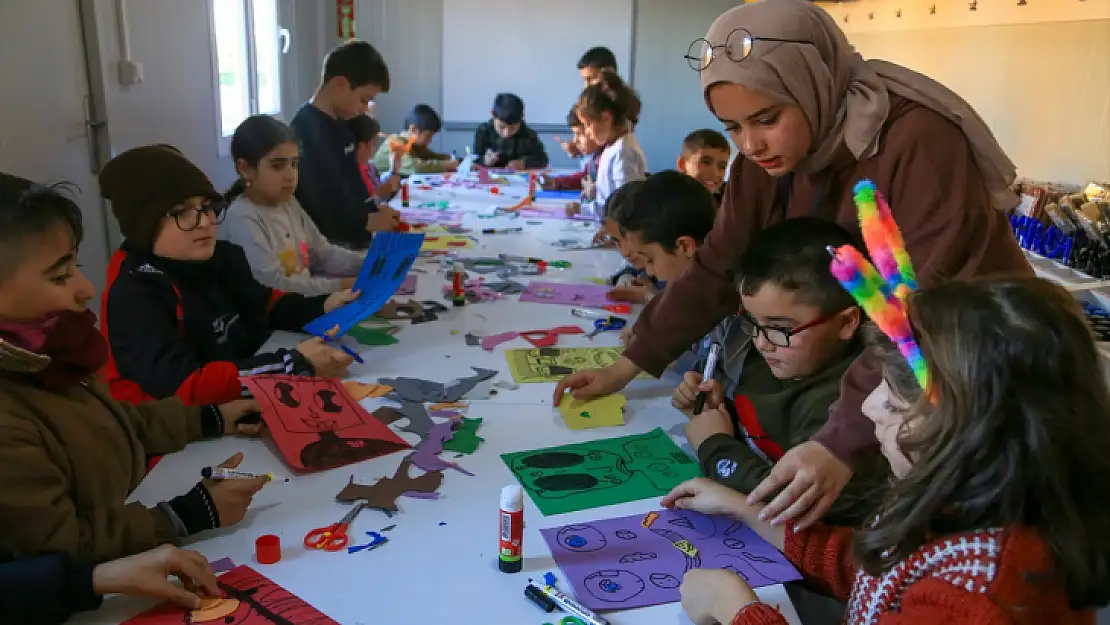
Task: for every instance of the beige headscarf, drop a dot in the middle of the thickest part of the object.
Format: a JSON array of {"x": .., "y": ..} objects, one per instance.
[{"x": 844, "y": 96}]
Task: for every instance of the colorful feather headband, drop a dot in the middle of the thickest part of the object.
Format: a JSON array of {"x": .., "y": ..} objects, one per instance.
[{"x": 881, "y": 289}]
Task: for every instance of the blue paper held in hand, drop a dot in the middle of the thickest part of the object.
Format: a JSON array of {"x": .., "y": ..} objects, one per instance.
[
  {"x": 570, "y": 196},
  {"x": 388, "y": 261}
]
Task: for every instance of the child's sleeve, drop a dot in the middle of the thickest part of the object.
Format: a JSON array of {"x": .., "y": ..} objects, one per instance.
[
  {"x": 481, "y": 143},
  {"x": 248, "y": 232},
  {"x": 383, "y": 157},
  {"x": 329, "y": 259},
  {"x": 39, "y": 516},
  {"x": 423, "y": 160},
  {"x": 45, "y": 589},
  {"x": 532, "y": 150},
  {"x": 167, "y": 425},
  {"x": 732, "y": 462},
  {"x": 823, "y": 555},
  {"x": 286, "y": 311},
  {"x": 149, "y": 349}
]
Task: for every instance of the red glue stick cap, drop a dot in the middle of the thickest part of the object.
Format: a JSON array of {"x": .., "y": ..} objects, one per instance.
[{"x": 267, "y": 549}]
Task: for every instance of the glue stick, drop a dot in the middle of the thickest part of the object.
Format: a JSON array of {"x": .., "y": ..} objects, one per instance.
[
  {"x": 509, "y": 558},
  {"x": 458, "y": 284},
  {"x": 405, "y": 194}
]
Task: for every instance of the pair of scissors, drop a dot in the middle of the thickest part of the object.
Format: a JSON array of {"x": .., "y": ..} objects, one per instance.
[
  {"x": 570, "y": 620},
  {"x": 606, "y": 324},
  {"x": 334, "y": 536}
]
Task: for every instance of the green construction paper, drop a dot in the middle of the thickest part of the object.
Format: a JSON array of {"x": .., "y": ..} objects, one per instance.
[
  {"x": 367, "y": 336},
  {"x": 377, "y": 323},
  {"x": 466, "y": 439},
  {"x": 601, "y": 472}
]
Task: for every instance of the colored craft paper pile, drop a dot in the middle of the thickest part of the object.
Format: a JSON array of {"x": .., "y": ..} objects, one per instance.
[
  {"x": 387, "y": 263},
  {"x": 601, "y": 472},
  {"x": 538, "y": 338},
  {"x": 251, "y": 599},
  {"x": 584, "y": 295},
  {"x": 431, "y": 216},
  {"x": 618, "y": 564},
  {"x": 603, "y": 412},
  {"x": 317, "y": 425},
  {"x": 551, "y": 364},
  {"x": 445, "y": 242}
]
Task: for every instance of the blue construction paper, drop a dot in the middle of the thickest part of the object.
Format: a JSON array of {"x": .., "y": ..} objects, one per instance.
[
  {"x": 558, "y": 195},
  {"x": 388, "y": 261}
]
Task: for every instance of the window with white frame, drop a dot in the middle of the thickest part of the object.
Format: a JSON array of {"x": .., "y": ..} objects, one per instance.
[{"x": 249, "y": 43}]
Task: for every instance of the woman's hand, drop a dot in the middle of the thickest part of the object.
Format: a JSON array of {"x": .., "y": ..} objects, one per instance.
[
  {"x": 714, "y": 595},
  {"x": 144, "y": 575},
  {"x": 593, "y": 383},
  {"x": 233, "y": 411},
  {"x": 813, "y": 478}
]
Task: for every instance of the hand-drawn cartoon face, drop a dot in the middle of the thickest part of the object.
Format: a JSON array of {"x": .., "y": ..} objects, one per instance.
[
  {"x": 556, "y": 474},
  {"x": 310, "y": 406}
]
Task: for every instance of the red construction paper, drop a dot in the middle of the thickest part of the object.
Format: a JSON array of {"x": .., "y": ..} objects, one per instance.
[
  {"x": 316, "y": 424},
  {"x": 251, "y": 599}
]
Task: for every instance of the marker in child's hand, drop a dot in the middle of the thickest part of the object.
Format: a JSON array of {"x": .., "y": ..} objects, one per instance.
[
  {"x": 220, "y": 473},
  {"x": 707, "y": 374}
]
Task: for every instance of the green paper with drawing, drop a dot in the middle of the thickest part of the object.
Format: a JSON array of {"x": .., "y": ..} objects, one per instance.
[{"x": 601, "y": 472}]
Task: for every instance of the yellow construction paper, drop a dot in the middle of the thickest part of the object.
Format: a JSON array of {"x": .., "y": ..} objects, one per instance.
[
  {"x": 551, "y": 364},
  {"x": 445, "y": 242},
  {"x": 602, "y": 412}
]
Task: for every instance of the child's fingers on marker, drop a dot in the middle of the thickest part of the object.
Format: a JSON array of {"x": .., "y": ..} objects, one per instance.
[{"x": 233, "y": 461}]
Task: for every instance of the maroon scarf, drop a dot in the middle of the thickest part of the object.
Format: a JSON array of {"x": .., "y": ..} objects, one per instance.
[{"x": 75, "y": 347}]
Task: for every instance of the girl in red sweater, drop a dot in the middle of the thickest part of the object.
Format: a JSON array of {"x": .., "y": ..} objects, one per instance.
[{"x": 998, "y": 512}]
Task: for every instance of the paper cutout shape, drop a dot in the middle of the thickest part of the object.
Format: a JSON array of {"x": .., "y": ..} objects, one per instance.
[
  {"x": 431, "y": 216},
  {"x": 601, "y": 472},
  {"x": 382, "y": 495},
  {"x": 388, "y": 261},
  {"x": 443, "y": 405},
  {"x": 446, "y": 242},
  {"x": 617, "y": 564},
  {"x": 538, "y": 338},
  {"x": 584, "y": 295},
  {"x": 427, "y": 452},
  {"x": 414, "y": 311},
  {"x": 466, "y": 439},
  {"x": 317, "y": 425},
  {"x": 222, "y": 565},
  {"x": 426, "y": 391},
  {"x": 551, "y": 364},
  {"x": 373, "y": 338},
  {"x": 251, "y": 599},
  {"x": 361, "y": 390},
  {"x": 408, "y": 285},
  {"x": 603, "y": 412},
  {"x": 376, "y": 540},
  {"x": 420, "y": 423}
]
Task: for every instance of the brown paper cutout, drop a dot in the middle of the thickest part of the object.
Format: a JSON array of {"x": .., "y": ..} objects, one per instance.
[{"x": 383, "y": 494}]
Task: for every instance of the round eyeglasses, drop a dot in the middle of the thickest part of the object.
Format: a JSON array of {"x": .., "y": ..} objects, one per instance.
[
  {"x": 737, "y": 47},
  {"x": 188, "y": 219},
  {"x": 779, "y": 337}
]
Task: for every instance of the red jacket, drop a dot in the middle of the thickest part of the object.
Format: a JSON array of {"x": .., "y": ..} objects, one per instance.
[{"x": 976, "y": 578}]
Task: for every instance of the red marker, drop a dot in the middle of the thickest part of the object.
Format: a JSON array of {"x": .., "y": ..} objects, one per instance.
[
  {"x": 509, "y": 551},
  {"x": 458, "y": 285}
]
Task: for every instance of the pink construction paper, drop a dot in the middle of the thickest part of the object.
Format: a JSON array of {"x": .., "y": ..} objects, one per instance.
[
  {"x": 585, "y": 295},
  {"x": 408, "y": 287}
]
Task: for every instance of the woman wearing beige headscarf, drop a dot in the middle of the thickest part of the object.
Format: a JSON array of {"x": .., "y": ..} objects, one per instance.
[{"x": 812, "y": 118}]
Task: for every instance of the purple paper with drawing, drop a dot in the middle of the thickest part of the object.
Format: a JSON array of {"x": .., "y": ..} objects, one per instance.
[
  {"x": 431, "y": 216},
  {"x": 588, "y": 295},
  {"x": 618, "y": 564}
]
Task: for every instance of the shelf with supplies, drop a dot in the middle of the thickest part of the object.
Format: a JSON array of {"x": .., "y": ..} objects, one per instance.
[{"x": 1092, "y": 293}]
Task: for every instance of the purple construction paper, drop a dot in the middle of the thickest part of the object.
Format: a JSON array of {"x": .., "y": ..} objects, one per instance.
[
  {"x": 431, "y": 216},
  {"x": 408, "y": 287},
  {"x": 223, "y": 565},
  {"x": 618, "y": 564},
  {"x": 427, "y": 452},
  {"x": 586, "y": 295},
  {"x": 550, "y": 211}
]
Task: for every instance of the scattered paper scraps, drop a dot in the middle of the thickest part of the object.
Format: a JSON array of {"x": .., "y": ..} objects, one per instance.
[
  {"x": 446, "y": 242},
  {"x": 507, "y": 385},
  {"x": 382, "y": 495},
  {"x": 538, "y": 338},
  {"x": 317, "y": 425},
  {"x": 566, "y": 294},
  {"x": 601, "y": 472},
  {"x": 408, "y": 286},
  {"x": 376, "y": 540},
  {"x": 250, "y": 599},
  {"x": 414, "y": 311},
  {"x": 222, "y": 565},
  {"x": 427, "y": 452},
  {"x": 473, "y": 340},
  {"x": 603, "y": 412},
  {"x": 466, "y": 439},
  {"x": 361, "y": 390},
  {"x": 444, "y": 405},
  {"x": 427, "y": 391},
  {"x": 617, "y": 564},
  {"x": 551, "y": 364},
  {"x": 388, "y": 261}
]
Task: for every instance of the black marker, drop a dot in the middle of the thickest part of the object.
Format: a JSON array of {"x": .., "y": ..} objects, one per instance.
[{"x": 707, "y": 374}]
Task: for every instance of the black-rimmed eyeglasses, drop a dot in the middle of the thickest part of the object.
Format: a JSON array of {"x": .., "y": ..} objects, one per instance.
[
  {"x": 188, "y": 219},
  {"x": 737, "y": 47}
]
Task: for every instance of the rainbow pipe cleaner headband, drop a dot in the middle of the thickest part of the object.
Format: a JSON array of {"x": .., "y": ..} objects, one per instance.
[{"x": 881, "y": 289}]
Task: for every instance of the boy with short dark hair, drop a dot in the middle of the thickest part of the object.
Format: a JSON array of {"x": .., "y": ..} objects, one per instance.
[
  {"x": 368, "y": 134},
  {"x": 591, "y": 153},
  {"x": 331, "y": 188},
  {"x": 596, "y": 60},
  {"x": 705, "y": 156},
  {"x": 803, "y": 328},
  {"x": 421, "y": 124},
  {"x": 506, "y": 140}
]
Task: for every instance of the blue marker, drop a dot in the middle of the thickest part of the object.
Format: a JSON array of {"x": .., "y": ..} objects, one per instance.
[{"x": 350, "y": 352}]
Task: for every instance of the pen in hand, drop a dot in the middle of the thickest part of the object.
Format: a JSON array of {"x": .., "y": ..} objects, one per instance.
[{"x": 706, "y": 375}]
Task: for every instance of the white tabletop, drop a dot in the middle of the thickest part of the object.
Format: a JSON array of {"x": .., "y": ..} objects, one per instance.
[{"x": 440, "y": 564}]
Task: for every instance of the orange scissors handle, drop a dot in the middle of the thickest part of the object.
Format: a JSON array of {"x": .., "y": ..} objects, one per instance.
[{"x": 331, "y": 538}]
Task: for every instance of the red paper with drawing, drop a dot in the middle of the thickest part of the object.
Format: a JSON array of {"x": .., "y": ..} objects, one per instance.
[
  {"x": 317, "y": 425},
  {"x": 250, "y": 599}
]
